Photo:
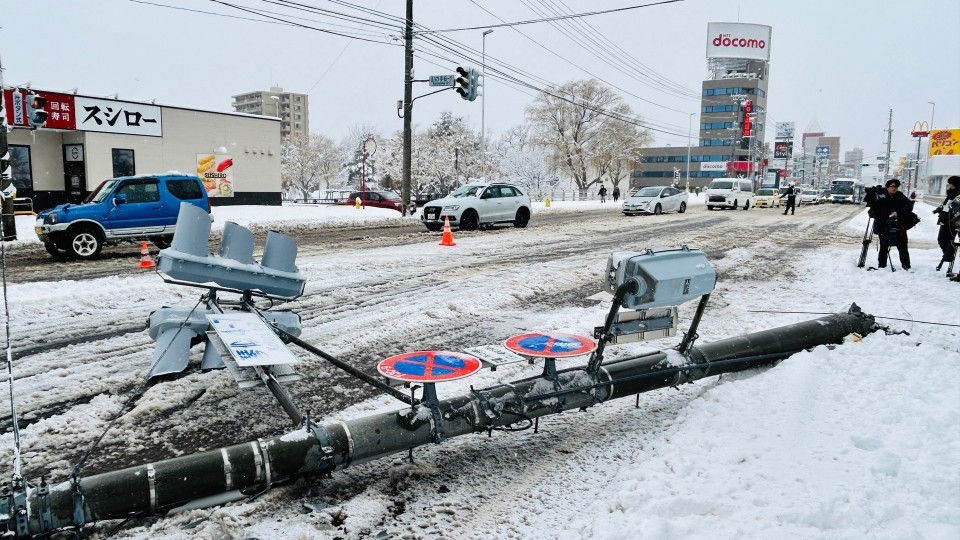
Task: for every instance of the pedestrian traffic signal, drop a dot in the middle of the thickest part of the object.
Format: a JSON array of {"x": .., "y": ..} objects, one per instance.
[
  {"x": 36, "y": 115},
  {"x": 463, "y": 83},
  {"x": 5, "y": 173}
]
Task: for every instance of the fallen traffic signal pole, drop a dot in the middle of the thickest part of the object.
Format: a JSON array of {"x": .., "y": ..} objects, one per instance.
[{"x": 235, "y": 472}]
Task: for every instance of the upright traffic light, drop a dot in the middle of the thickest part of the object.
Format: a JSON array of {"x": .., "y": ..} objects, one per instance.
[
  {"x": 475, "y": 84},
  {"x": 464, "y": 83},
  {"x": 36, "y": 115}
]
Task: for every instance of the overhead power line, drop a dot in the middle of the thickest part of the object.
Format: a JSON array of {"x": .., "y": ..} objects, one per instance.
[{"x": 548, "y": 19}]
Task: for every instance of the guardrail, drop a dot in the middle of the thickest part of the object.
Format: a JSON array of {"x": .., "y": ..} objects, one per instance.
[{"x": 23, "y": 206}]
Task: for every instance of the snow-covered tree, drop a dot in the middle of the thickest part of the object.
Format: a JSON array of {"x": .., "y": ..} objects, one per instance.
[
  {"x": 444, "y": 156},
  {"x": 525, "y": 163},
  {"x": 306, "y": 161},
  {"x": 351, "y": 148},
  {"x": 574, "y": 123},
  {"x": 617, "y": 148}
]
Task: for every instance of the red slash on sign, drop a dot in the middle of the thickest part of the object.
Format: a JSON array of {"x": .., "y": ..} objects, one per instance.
[
  {"x": 551, "y": 345},
  {"x": 429, "y": 366}
]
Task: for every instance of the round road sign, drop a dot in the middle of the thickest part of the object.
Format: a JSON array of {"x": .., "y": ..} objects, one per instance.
[
  {"x": 429, "y": 366},
  {"x": 550, "y": 345}
]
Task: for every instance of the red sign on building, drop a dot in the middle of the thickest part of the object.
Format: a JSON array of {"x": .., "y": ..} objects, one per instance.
[
  {"x": 60, "y": 108},
  {"x": 747, "y": 114}
]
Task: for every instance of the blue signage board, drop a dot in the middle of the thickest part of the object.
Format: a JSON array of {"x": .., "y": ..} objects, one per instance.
[
  {"x": 429, "y": 366},
  {"x": 823, "y": 152},
  {"x": 550, "y": 345}
]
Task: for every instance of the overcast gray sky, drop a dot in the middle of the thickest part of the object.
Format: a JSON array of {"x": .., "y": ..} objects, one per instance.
[{"x": 843, "y": 64}]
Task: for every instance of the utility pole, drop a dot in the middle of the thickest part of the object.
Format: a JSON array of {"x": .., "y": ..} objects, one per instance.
[
  {"x": 407, "y": 105},
  {"x": 886, "y": 160}
]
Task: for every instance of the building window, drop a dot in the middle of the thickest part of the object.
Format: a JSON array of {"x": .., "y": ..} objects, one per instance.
[
  {"x": 123, "y": 164},
  {"x": 298, "y": 125},
  {"x": 298, "y": 98},
  {"x": 21, "y": 166}
]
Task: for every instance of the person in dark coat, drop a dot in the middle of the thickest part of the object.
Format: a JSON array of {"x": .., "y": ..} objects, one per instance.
[
  {"x": 948, "y": 229},
  {"x": 616, "y": 193},
  {"x": 791, "y": 195},
  {"x": 603, "y": 193},
  {"x": 889, "y": 204}
]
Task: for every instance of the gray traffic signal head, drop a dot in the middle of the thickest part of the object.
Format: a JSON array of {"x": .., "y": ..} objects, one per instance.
[
  {"x": 475, "y": 82},
  {"x": 464, "y": 83},
  {"x": 660, "y": 278},
  {"x": 36, "y": 115}
]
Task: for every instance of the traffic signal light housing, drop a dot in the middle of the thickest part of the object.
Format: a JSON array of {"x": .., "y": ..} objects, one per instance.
[
  {"x": 475, "y": 84},
  {"x": 6, "y": 174},
  {"x": 36, "y": 115},
  {"x": 463, "y": 83}
]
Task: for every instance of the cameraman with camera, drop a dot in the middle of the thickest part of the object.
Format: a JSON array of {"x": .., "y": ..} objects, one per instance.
[
  {"x": 887, "y": 206},
  {"x": 948, "y": 228}
]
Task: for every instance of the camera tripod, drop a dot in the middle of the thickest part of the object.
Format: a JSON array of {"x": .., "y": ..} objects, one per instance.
[{"x": 867, "y": 236}]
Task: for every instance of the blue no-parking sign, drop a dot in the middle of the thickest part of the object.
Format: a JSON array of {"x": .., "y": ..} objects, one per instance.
[
  {"x": 550, "y": 345},
  {"x": 429, "y": 366}
]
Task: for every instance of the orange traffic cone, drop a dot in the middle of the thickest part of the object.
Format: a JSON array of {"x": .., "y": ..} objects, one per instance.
[
  {"x": 447, "y": 238},
  {"x": 145, "y": 260}
]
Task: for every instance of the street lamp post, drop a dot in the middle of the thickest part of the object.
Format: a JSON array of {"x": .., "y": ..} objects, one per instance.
[
  {"x": 689, "y": 124},
  {"x": 483, "y": 107},
  {"x": 276, "y": 99},
  {"x": 932, "y": 112}
]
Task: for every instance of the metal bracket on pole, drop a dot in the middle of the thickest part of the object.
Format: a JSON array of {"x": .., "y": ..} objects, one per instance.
[
  {"x": 43, "y": 501},
  {"x": 431, "y": 402},
  {"x": 690, "y": 337}
]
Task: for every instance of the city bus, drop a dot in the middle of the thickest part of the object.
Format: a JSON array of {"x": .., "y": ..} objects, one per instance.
[{"x": 846, "y": 190}]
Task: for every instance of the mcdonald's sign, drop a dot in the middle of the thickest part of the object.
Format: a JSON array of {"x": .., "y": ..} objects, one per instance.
[{"x": 920, "y": 129}]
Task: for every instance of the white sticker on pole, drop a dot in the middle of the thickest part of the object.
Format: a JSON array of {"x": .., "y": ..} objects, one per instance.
[{"x": 250, "y": 341}]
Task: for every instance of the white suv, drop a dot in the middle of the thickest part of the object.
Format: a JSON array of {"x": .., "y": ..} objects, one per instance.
[
  {"x": 477, "y": 205},
  {"x": 729, "y": 193}
]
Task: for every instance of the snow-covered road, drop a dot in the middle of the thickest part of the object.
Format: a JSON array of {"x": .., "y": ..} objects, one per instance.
[{"x": 855, "y": 442}]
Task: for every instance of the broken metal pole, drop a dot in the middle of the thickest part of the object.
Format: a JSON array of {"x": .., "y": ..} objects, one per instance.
[{"x": 253, "y": 467}]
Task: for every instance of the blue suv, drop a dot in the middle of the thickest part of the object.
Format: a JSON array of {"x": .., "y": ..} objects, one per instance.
[{"x": 131, "y": 208}]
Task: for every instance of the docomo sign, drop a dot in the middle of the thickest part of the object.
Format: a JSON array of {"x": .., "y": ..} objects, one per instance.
[
  {"x": 713, "y": 165},
  {"x": 738, "y": 40}
]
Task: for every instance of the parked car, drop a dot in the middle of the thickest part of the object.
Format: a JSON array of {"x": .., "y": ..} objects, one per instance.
[
  {"x": 377, "y": 199},
  {"x": 655, "y": 200},
  {"x": 809, "y": 196},
  {"x": 477, "y": 205},
  {"x": 131, "y": 208},
  {"x": 767, "y": 198}
]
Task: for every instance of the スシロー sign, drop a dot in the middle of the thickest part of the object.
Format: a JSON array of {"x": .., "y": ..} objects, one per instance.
[{"x": 429, "y": 366}]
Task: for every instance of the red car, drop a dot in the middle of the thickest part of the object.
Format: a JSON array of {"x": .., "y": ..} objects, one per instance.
[{"x": 377, "y": 199}]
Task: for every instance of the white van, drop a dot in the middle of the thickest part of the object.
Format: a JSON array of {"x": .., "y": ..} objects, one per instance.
[{"x": 729, "y": 193}]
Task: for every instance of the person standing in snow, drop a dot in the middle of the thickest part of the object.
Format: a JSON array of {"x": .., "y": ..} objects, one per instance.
[
  {"x": 889, "y": 206},
  {"x": 602, "y": 193},
  {"x": 616, "y": 193},
  {"x": 948, "y": 229}
]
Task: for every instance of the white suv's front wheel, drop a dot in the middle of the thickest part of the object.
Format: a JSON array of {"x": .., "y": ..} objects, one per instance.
[{"x": 469, "y": 221}]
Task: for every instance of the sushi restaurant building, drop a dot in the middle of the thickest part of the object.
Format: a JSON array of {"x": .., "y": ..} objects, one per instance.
[{"x": 86, "y": 140}]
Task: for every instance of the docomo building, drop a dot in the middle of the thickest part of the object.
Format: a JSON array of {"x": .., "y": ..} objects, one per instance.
[
  {"x": 738, "y": 40},
  {"x": 732, "y": 116}
]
